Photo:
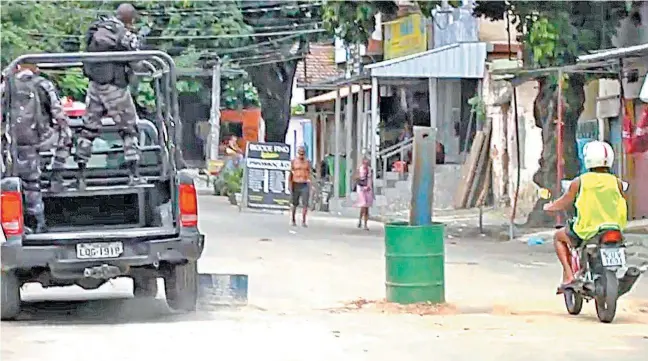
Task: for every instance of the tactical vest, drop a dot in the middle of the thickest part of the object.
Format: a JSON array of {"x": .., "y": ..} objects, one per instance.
[
  {"x": 29, "y": 120},
  {"x": 106, "y": 35}
]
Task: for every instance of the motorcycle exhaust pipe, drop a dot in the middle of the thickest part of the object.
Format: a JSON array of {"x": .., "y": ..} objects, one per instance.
[{"x": 629, "y": 279}]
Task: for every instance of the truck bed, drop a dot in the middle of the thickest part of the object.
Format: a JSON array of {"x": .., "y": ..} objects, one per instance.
[
  {"x": 107, "y": 212},
  {"x": 133, "y": 234}
]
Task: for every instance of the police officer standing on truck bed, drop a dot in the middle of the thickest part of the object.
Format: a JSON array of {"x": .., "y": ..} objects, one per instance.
[
  {"x": 108, "y": 92},
  {"x": 39, "y": 124}
]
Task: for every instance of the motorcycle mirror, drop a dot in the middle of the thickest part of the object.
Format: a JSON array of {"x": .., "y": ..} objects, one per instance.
[
  {"x": 643, "y": 95},
  {"x": 564, "y": 184},
  {"x": 625, "y": 186}
]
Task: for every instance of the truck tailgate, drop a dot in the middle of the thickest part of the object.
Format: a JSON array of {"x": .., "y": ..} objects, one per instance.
[{"x": 129, "y": 234}]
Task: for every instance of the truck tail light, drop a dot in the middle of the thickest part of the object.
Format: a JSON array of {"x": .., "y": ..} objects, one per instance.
[
  {"x": 12, "y": 213},
  {"x": 188, "y": 205}
]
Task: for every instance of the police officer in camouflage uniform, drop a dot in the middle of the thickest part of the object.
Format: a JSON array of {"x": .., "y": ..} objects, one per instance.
[
  {"x": 108, "y": 92},
  {"x": 39, "y": 123}
]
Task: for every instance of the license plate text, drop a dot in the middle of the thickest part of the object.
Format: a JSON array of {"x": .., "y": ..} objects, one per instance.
[
  {"x": 99, "y": 250},
  {"x": 612, "y": 257}
]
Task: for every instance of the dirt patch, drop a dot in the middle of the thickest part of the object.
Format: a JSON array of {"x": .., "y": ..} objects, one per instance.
[{"x": 382, "y": 306}]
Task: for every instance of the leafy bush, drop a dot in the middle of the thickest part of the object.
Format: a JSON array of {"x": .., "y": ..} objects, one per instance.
[{"x": 234, "y": 180}]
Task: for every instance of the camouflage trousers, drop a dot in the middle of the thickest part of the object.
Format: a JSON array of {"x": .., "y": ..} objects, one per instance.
[
  {"x": 28, "y": 167},
  {"x": 117, "y": 103},
  {"x": 61, "y": 143}
]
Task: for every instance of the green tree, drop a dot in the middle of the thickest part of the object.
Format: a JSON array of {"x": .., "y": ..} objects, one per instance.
[
  {"x": 257, "y": 37},
  {"x": 555, "y": 33}
]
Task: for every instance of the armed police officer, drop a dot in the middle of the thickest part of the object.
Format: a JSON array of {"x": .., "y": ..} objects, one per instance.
[
  {"x": 39, "y": 123},
  {"x": 108, "y": 92}
]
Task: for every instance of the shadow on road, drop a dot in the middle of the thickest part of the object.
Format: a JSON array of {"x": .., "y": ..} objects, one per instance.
[{"x": 107, "y": 311}]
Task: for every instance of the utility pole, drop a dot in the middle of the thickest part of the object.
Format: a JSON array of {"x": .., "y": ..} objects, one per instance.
[{"x": 214, "y": 116}]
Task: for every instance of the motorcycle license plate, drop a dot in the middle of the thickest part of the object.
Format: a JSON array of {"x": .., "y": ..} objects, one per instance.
[{"x": 613, "y": 257}]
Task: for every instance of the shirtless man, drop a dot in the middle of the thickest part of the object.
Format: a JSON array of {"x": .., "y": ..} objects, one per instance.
[{"x": 300, "y": 171}]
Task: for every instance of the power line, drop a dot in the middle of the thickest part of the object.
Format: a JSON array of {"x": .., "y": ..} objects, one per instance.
[
  {"x": 203, "y": 37},
  {"x": 257, "y": 45},
  {"x": 173, "y": 11},
  {"x": 271, "y": 62},
  {"x": 269, "y": 27},
  {"x": 260, "y": 56}
]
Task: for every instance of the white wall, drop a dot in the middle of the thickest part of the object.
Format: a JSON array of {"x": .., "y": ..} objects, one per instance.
[
  {"x": 295, "y": 134},
  {"x": 298, "y": 94}
]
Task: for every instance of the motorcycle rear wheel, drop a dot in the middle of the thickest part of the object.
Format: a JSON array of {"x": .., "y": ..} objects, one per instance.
[
  {"x": 573, "y": 302},
  {"x": 606, "y": 303}
]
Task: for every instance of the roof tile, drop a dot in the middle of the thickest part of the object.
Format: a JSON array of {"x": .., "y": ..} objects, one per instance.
[{"x": 318, "y": 65}]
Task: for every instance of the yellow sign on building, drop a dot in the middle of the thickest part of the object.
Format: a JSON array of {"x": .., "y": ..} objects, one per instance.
[{"x": 405, "y": 36}]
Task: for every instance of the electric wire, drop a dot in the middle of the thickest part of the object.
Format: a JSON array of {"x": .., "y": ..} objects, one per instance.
[{"x": 201, "y": 37}]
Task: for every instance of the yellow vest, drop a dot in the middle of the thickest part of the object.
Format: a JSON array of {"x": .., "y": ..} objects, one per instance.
[{"x": 599, "y": 205}]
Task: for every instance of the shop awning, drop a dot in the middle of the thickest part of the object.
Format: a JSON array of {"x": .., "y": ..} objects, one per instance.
[
  {"x": 613, "y": 54},
  {"x": 462, "y": 60},
  {"x": 330, "y": 96}
]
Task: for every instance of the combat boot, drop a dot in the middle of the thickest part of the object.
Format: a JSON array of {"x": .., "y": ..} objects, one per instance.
[
  {"x": 35, "y": 223},
  {"x": 56, "y": 182},
  {"x": 41, "y": 227},
  {"x": 80, "y": 183},
  {"x": 134, "y": 176}
]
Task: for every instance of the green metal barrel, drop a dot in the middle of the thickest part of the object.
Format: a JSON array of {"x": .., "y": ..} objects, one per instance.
[{"x": 414, "y": 257}]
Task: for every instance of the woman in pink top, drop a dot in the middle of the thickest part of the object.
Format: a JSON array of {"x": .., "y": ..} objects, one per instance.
[{"x": 364, "y": 188}]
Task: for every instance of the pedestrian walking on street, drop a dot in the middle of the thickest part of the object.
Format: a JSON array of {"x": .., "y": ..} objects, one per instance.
[
  {"x": 108, "y": 91},
  {"x": 364, "y": 189},
  {"x": 300, "y": 177}
]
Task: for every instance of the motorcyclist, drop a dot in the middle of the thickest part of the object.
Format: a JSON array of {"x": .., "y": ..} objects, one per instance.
[{"x": 600, "y": 204}]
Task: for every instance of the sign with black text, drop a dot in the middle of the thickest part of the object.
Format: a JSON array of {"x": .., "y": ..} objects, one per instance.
[{"x": 267, "y": 167}]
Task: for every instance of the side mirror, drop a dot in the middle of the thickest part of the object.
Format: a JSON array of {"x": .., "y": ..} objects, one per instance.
[
  {"x": 564, "y": 184},
  {"x": 643, "y": 94}
]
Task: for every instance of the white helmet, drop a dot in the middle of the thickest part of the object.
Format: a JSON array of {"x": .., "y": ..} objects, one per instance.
[{"x": 598, "y": 154}]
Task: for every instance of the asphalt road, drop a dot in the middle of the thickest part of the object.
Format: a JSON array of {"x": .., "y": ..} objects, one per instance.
[{"x": 306, "y": 285}]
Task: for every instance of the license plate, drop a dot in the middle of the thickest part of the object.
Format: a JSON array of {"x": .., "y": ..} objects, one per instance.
[
  {"x": 99, "y": 250},
  {"x": 613, "y": 257}
]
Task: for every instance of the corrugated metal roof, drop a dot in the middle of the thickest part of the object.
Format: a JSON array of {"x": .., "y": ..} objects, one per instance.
[
  {"x": 630, "y": 51},
  {"x": 331, "y": 96},
  {"x": 462, "y": 60}
]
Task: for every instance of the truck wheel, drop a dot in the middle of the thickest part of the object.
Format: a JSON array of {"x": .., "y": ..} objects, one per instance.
[
  {"x": 10, "y": 295},
  {"x": 145, "y": 287},
  {"x": 181, "y": 286}
]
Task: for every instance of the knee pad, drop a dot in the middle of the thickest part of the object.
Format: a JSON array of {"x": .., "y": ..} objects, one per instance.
[{"x": 84, "y": 149}]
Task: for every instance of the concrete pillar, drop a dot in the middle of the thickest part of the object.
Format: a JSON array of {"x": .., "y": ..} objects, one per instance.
[
  {"x": 375, "y": 115},
  {"x": 348, "y": 145},
  {"x": 433, "y": 85},
  {"x": 338, "y": 145},
  {"x": 360, "y": 116},
  {"x": 314, "y": 121}
]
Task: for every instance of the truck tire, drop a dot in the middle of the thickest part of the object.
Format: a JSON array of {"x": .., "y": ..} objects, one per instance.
[
  {"x": 145, "y": 287},
  {"x": 181, "y": 286},
  {"x": 10, "y": 296}
]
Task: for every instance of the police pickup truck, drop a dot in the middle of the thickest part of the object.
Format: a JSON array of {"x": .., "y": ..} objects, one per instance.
[{"x": 109, "y": 228}]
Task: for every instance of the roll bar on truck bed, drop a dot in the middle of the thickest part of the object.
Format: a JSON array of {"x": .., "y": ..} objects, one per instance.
[{"x": 163, "y": 71}]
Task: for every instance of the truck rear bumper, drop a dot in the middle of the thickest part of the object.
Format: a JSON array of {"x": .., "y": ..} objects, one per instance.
[{"x": 62, "y": 261}]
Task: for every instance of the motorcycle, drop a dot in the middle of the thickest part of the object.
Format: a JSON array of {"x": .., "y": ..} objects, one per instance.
[{"x": 596, "y": 265}]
